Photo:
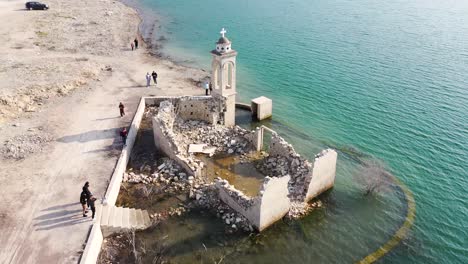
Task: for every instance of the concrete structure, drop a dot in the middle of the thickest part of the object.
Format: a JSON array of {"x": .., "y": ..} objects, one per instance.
[
  {"x": 117, "y": 219},
  {"x": 262, "y": 107},
  {"x": 223, "y": 76},
  {"x": 293, "y": 180},
  {"x": 95, "y": 238},
  {"x": 296, "y": 183}
]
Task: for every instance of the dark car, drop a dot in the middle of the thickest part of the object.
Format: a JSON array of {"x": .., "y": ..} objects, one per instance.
[{"x": 36, "y": 6}]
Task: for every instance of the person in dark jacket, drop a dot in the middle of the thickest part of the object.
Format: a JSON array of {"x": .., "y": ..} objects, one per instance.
[
  {"x": 122, "y": 109},
  {"x": 124, "y": 134},
  {"x": 155, "y": 77},
  {"x": 136, "y": 43},
  {"x": 86, "y": 190},
  {"x": 91, "y": 205},
  {"x": 83, "y": 202}
]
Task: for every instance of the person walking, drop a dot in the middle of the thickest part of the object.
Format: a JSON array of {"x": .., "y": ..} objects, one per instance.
[
  {"x": 132, "y": 45},
  {"x": 124, "y": 134},
  {"x": 136, "y": 43},
  {"x": 122, "y": 109},
  {"x": 148, "y": 79},
  {"x": 206, "y": 86},
  {"x": 83, "y": 201},
  {"x": 92, "y": 206},
  {"x": 211, "y": 87},
  {"x": 155, "y": 77}
]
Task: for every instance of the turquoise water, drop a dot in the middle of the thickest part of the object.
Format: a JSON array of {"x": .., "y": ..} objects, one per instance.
[{"x": 386, "y": 78}]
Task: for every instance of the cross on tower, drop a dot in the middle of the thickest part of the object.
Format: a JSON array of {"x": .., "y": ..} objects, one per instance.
[{"x": 223, "y": 31}]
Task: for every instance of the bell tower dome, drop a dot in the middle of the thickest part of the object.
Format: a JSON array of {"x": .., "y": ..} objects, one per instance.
[{"x": 223, "y": 76}]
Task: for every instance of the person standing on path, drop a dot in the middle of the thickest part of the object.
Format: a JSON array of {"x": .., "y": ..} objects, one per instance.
[
  {"x": 92, "y": 206},
  {"x": 148, "y": 79},
  {"x": 86, "y": 190},
  {"x": 136, "y": 43},
  {"x": 155, "y": 77},
  {"x": 211, "y": 87},
  {"x": 83, "y": 201},
  {"x": 86, "y": 194},
  {"x": 122, "y": 109},
  {"x": 132, "y": 45},
  {"x": 124, "y": 134},
  {"x": 206, "y": 86}
]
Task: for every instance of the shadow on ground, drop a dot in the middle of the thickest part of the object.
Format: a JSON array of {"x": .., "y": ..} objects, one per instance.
[{"x": 60, "y": 216}]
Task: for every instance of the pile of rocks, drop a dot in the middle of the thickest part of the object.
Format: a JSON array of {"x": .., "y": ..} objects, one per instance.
[
  {"x": 275, "y": 166},
  {"x": 206, "y": 196},
  {"x": 284, "y": 160},
  {"x": 225, "y": 139},
  {"x": 19, "y": 147},
  {"x": 168, "y": 173}
]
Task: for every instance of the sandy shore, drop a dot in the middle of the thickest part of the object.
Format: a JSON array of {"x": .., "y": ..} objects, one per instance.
[{"x": 62, "y": 74}]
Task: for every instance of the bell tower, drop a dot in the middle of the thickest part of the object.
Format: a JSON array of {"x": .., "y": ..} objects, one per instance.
[{"x": 223, "y": 76}]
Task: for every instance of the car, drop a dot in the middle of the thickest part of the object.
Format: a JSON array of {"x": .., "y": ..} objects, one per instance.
[{"x": 36, "y": 6}]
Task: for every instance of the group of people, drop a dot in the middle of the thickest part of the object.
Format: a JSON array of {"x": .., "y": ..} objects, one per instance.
[
  {"x": 153, "y": 75},
  {"x": 87, "y": 201},
  {"x": 208, "y": 88}
]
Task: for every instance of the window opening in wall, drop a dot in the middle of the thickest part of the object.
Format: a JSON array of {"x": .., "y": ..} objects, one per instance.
[
  {"x": 191, "y": 113},
  {"x": 230, "y": 69},
  {"x": 218, "y": 78}
]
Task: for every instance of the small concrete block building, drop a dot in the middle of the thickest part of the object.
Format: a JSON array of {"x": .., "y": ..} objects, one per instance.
[{"x": 262, "y": 107}]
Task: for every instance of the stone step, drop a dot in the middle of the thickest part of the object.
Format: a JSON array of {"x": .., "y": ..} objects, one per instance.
[
  {"x": 139, "y": 218},
  {"x": 146, "y": 219},
  {"x": 125, "y": 218},
  {"x": 117, "y": 219},
  {"x": 98, "y": 216},
  {"x": 112, "y": 211},
  {"x": 132, "y": 218},
  {"x": 105, "y": 215}
]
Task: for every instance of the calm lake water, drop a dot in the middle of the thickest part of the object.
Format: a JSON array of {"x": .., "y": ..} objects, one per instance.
[{"x": 387, "y": 80}]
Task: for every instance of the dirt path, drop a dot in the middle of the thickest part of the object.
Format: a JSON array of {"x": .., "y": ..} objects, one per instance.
[{"x": 40, "y": 219}]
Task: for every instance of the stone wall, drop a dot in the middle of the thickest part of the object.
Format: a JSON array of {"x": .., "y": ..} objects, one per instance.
[
  {"x": 165, "y": 139},
  {"x": 263, "y": 210},
  {"x": 207, "y": 109},
  {"x": 323, "y": 173}
]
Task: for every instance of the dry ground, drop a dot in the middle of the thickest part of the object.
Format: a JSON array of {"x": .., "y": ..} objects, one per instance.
[{"x": 62, "y": 74}]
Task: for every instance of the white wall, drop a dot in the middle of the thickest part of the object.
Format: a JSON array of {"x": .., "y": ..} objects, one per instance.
[
  {"x": 323, "y": 173},
  {"x": 275, "y": 202}
]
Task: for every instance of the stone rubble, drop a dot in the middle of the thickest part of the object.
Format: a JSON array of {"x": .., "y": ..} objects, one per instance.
[
  {"x": 19, "y": 147},
  {"x": 170, "y": 175},
  {"x": 225, "y": 139},
  {"x": 281, "y": 161}
]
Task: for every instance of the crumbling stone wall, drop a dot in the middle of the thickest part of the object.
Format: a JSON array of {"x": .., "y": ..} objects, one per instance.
[
  {"x": 291, "y": 180},
  {"x": 165, "y": 139},
  {"x": 323, "y": 173},
  {"x": 263, "y": 210},
  {"x": 207, "y": 109}
]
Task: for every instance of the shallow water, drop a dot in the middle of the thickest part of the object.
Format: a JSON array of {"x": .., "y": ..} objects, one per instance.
[
  {"x": 379, "y": 80},
  {"x": 244, "y": 176}
]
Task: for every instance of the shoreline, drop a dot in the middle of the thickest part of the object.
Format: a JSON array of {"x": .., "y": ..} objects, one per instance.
[{"x": 65, "y": 71}]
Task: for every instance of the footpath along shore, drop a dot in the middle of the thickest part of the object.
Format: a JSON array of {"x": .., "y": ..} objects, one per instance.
[{"x": 63, "y": 73}]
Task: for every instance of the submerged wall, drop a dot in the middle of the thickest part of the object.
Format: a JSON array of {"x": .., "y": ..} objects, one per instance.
[
  {"x": 292, "y": 179},
  {"x": 323, "y": 173},
  {"x": 263, "y": 210}
]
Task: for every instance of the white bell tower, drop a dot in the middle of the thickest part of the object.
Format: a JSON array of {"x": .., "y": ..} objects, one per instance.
[{"x": 223, "y": 76}]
